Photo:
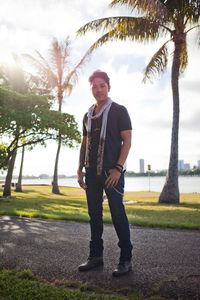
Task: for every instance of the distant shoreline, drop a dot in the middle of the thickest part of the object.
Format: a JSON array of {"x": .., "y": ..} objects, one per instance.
[
  {"x": 187, "y": 184},
  {"x": 2, "y": 178}
]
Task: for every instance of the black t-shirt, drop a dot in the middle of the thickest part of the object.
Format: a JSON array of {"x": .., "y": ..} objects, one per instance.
[
  {"x": 95, "y": 136},
  {"x": 118, "y": 120}
]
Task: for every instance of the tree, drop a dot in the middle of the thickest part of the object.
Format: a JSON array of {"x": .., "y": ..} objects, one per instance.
[
  {"x": 157, "y": 18},
  {"x": 19, "y": 181},
  {"x": 3, "y": 155},
  {"x": 57, "y": 73},
  {"x": 14, "y": 78},
  {"x": 7, "y": 186},
  {"x": 26, "y": 120}
]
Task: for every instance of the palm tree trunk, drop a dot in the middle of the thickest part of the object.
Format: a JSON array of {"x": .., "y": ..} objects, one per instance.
[
  {"x": 19, "y": 182},
  {"x": 55, "y": 187},
  {"x": 7, "y": 187},
  {"x": 170, "y": 192}
]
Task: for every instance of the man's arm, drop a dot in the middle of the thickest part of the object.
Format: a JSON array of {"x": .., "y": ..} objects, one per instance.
[
  {"x": 126, "y": 136},
  {"x": 114, "y": 176},
  {"x": 80, "y": 173}
]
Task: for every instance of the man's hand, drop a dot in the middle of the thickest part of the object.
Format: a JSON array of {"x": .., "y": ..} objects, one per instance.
[
  {"x": 81, "y": 182},
  {"x": 113, "y": 178}
]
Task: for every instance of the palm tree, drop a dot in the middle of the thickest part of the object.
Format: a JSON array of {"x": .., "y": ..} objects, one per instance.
[
  {"x": 156, "y": 19},
  {"x": 57, "y": 73}
]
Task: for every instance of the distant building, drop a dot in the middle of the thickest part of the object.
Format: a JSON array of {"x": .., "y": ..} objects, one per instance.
[
  {"x": 141, "y": 165},
  {"x": 198, "y": 164},
  {"x": 181, "y": 165},
  {"x": 187, "y": 167}
]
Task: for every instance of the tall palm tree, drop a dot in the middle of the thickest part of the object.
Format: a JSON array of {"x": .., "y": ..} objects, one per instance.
[
  {"x": 156, "y": 19},
  {"x": 57, "y": 73}
]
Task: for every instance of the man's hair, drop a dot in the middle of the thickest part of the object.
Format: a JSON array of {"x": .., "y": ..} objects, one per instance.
[{"x": 99, "y": 74}]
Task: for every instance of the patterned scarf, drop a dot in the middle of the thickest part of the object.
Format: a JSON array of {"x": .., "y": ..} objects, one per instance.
[{"x": 104, "y": 110}]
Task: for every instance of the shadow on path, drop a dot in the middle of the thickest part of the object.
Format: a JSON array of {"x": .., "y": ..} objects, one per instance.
[{"x": 165, "y": 261}]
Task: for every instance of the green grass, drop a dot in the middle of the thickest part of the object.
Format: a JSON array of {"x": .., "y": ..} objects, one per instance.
[
  {"x": 23, "y": 285},
  {"x": 39, "y": 202}
]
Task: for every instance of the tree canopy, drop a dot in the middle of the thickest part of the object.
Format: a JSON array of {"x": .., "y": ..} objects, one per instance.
[{"x": 28, "y": 120}]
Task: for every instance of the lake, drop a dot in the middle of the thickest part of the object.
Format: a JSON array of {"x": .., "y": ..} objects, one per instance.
[{"x": 187, "y": 184}]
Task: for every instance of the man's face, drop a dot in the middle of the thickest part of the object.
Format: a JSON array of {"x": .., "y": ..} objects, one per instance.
[{"x": 100, "y": 90}]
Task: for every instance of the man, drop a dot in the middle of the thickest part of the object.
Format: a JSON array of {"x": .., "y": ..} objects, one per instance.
[{"x": 104, "y": 150}]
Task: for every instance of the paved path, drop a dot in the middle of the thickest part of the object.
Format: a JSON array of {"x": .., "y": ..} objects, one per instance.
[{"x": 54, "y": 249}]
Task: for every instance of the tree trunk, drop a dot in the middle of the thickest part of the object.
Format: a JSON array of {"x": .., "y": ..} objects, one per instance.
[
  {"x": 55, "y": 188},
  {"x": 19, "y": 182},
  {"x": 7, "y": 187},
  {"x": 170, "y": 192}
]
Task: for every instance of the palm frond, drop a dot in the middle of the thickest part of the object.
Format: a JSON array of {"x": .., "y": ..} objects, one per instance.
[
  {"x": 108, "y": 37},
  {"x": 72, "y": 77},
  {"x": 59, "y": 57},
  {"x": 157, "y": 64},
  {"x": 47, "y": 76},
  {"x": 184, "y": 10},
  {"x": 197, "y": 28},
  {"x": 65, "y": 55},
  {"x": 183, "y": 58},
  {"x": 56, "y": 59},
  {"x": 191, "y": 11},
  {"x": 69, "y": 90},
  {"x": 153, "y": 8},
  {"x": 140, "y": 29},
  {"x": 43, "y": 61}
]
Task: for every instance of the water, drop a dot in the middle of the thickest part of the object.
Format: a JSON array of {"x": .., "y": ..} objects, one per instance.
[{"x": 187, "y": 184}]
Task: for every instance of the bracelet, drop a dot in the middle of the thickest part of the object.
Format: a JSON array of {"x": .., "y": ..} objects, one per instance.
[
  {"x": 120, "y": 166},
  {"x": 118, "y": 169}
]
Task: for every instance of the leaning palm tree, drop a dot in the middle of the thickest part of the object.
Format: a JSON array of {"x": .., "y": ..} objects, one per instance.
[
  {"x": 57, "y": 73},
  {"x": 156, "y": 19}
]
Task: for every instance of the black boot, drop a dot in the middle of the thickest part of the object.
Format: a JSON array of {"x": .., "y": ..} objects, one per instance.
[
  {"x": 123, "y": 268},
  {"x": 91, "y": 263}
]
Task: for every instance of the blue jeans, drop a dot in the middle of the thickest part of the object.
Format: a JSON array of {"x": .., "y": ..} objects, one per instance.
[{"x": 94, "y": 192}]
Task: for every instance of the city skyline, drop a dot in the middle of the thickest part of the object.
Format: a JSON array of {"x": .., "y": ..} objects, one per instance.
[{"x": 182, "y": 166}]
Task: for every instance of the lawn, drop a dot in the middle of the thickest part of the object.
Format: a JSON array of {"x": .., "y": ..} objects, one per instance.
[
  {"x": 142, "y": 208},
  {"x": 23, "y": 285}
]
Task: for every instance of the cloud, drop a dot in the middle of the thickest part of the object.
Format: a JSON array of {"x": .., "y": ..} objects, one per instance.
[
  {"x": 191, "y": 85},
  {"x": 192, "y": 123},
  {"x": 133, "y": 62}
]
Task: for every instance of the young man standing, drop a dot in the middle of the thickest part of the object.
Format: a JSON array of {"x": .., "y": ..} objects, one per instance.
[{"x": 104, "y": 150}]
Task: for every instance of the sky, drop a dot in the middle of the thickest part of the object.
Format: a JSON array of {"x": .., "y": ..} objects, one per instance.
[{"x": 29, "y": 25}]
